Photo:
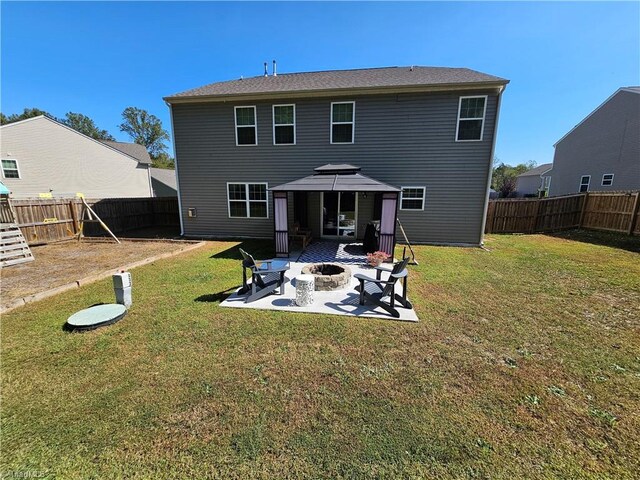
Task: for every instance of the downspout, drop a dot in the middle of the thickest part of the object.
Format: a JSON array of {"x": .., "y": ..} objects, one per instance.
[
  {"x": 490, "y": 173},
  {"x": 175, "y": 160},
  {"x": 151, "y": 193}
]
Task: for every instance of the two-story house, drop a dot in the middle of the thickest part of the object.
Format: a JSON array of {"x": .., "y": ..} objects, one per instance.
[
  {"x": 602, "y": 152},
  {"x": 411, "y": 142}
]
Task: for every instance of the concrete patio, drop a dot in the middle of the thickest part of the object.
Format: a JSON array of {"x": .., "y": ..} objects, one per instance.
[{"x": 337, "y": 302}]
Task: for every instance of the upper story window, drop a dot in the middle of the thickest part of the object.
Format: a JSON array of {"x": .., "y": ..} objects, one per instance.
[
  {"x": 246, "y": 129},
  {"x": 10, "y": 168},
  {"x": 343, "y": 119},
  {"x": 412, "y": 198},
  {"x": 284, "y": 124},
  {"x": 585, "y": 180},
  {"x": 607, "y": 179},
  {"x": 471, "y": 111},
  {"x": 247, "y": 200}
]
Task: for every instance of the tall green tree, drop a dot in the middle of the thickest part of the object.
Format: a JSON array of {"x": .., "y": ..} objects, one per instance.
[
  {"x": 26, "y": 113},
  {"x": 86, "y": 125},
  {"x": 504, "y": 176},
  {"x": 163, "y": 160},
  {"x": 145, "y": 129}
]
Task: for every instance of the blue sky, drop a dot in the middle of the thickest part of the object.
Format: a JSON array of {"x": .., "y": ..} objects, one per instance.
[{"x": 563, "y": 59}]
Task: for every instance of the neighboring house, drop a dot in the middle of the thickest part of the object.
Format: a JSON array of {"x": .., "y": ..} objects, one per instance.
[
  {"x": 163, "y": 181},
  {"x": 601, "y": 153},
  {"x": 534, "y": 182},
  {"x": 42, "y": 156},
  {"x": 418, "y": 141},
  {"x": 135, "y": 150}
]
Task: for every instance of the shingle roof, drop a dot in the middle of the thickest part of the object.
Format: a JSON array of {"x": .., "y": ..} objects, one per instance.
[
  {"x": 539, "y": 170},
  {"x": 165, "y": 175},
  {"x": 139, "y": 152},
  {"x": 385, "y": 77},
  {"x": 335, "y": 178}
]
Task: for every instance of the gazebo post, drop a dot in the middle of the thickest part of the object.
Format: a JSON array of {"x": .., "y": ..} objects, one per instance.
[
  {"x": 388, "y": 223},
  {"x": 281, "y": 224}
]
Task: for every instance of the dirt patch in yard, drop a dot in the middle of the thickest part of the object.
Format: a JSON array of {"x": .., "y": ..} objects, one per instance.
[{"x": 62, "y": 263}]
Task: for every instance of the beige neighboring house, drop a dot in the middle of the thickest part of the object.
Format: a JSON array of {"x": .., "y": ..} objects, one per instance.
[
  {"x": 43, "y": 156},
  {"x": 163, "y": 181}
]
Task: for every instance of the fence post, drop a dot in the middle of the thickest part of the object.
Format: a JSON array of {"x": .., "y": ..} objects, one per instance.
[
  {"x": 74, "y": 217},
  {"x": 584, "y": 208},
  {"x": 634, "y": 214}
]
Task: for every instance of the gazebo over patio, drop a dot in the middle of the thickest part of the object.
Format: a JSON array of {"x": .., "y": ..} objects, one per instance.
[{"x": 340, "y": 178}]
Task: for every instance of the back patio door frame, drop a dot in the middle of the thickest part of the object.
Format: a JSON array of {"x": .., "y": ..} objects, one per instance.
[{"x": 337, "y": 236}]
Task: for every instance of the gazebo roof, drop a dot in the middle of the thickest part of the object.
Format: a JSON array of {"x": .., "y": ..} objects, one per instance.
[{"x": 336, "y": 178}]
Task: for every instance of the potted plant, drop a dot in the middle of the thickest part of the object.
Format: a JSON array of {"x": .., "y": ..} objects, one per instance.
[{"x": 375, "y": 259}]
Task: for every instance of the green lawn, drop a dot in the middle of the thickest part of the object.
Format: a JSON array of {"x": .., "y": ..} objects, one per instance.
[{"x": 526, "y": 364}]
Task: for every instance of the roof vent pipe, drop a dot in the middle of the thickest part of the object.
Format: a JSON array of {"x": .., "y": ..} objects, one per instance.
[
  {"x": 266, "y": 74},
  {"x": 275, "y": 73}
]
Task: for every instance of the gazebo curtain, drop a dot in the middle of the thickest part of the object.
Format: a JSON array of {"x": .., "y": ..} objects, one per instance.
[
  {"x": 388, "y": 223},
  {"x": 281, "y": 224}
]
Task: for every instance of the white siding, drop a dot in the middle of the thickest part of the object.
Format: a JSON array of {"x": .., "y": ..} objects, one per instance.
[{"x": 53, "y": 157}]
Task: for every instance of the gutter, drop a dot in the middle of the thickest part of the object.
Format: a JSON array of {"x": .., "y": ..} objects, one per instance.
[
  {"x": 175, "y": 160},
  {"x": 490, "y": 172}
]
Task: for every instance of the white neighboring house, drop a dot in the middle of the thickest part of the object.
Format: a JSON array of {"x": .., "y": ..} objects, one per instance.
[
  {"x": 43, "y": 156},
  {"x": 534, "y": 182}
]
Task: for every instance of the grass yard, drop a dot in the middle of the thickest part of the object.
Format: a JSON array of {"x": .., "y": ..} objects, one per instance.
[{"x": 526, "y": 364}]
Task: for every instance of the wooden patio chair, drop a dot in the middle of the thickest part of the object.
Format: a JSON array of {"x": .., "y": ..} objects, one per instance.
[
  {"x": 266, "y": 277},
  {"x": 381, "y": 293}
]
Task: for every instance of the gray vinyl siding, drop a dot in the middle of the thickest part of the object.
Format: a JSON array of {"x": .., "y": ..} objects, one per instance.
[
  {"x": 52, "y": 157},
  {"x": 529, "y": 185},
  {"x": 403, "y": 140},
  {"x": 606, "y": 142}
]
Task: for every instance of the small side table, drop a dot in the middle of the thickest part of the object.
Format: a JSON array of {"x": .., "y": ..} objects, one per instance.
[{"x": 305, "y": 286}]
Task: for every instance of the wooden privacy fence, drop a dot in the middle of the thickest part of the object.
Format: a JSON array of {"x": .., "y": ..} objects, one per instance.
[
  {"x": 48, "y": 220},
  {"x": 614, "y": 212}
]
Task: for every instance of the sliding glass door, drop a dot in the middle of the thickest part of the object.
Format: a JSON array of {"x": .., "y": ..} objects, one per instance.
[{"x": 339, "y": 215}]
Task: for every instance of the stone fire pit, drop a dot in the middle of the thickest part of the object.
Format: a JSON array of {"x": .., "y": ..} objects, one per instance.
[{"x": 328, "y": 276}]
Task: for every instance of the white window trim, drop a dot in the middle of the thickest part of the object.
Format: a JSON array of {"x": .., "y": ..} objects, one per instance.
[
  {"x": 273, "y": 116},
  {"x": 352, "y": 122},
  {"x": 255, "y": 124},
  {"x": 605, "y": 175},
  {"x": 484, "y": 114},
  {"x": 17, "y": 169},
  {"x": 246, "y": 200},
  {"x": 424, "y": 194},
  {"x": 588, "y": 184}
]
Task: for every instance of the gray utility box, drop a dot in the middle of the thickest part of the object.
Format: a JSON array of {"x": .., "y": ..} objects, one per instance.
[{"x": 122, "y": 288}]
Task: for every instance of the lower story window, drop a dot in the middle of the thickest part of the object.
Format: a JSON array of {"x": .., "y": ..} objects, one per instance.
[
  {"x": 585, "y": 180},
  {"x": 247, "y": 200},
  {"x": 607, "y": 179},
  {"x": 412, "y": 198},
  {"x": 10, "y": 169}
]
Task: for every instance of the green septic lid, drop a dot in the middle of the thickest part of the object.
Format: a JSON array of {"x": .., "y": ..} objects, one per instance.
[{"x": 96, "y": 316}]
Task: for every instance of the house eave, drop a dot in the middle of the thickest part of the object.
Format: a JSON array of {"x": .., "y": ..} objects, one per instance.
[{"x": 333, "y": 92}]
